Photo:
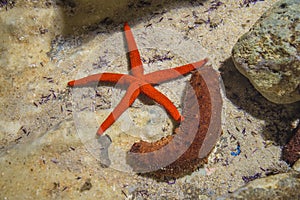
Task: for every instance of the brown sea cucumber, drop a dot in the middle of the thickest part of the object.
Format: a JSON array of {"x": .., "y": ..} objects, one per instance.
[{"x": 191, "y": 143}]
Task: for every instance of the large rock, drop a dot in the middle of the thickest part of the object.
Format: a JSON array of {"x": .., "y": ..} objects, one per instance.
[
  {"x": 279, "y": 186},
  {"x": 269, "y": 54}
]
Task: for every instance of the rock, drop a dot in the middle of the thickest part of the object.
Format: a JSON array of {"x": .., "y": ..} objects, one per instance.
[
  {"x": 296, "y": 166},
  {"x": 280, "y": 186},
  {"x": 269, "y": 54}
]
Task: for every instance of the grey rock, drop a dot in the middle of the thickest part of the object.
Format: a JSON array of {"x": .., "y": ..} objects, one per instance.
[
  {"x": 269, "y": 54},
  {"x": 280, "y": 186}
]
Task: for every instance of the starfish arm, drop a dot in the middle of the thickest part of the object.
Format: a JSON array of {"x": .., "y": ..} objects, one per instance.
[
  {"x": 128, "y": 99},
  {"x": 122, "y": 79},
  {"x": 168, "y": 74},
  {"x": 160, "y": 98},
  {"x": 134, "y": 55}
]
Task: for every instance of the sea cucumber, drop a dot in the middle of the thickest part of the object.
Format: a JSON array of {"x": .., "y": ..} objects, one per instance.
[{"x": 191, "y": 143}]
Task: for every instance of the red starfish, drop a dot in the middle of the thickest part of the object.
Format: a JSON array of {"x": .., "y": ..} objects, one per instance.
[{"x": 138, "y": 82}]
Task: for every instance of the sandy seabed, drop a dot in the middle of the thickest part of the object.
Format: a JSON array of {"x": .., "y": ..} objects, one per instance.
[{"x": 44, "y": 44}]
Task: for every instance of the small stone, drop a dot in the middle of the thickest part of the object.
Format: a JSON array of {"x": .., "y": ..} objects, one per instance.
[
  {"x": 296, "y": 166},
  {"x": 269, "y": 54}
]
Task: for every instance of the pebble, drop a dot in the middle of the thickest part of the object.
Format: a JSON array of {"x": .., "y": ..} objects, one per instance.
[{"x": 296, "y": 166}]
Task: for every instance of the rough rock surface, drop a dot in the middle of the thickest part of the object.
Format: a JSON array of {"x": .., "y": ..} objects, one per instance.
[{"x": 269, "y": 54}]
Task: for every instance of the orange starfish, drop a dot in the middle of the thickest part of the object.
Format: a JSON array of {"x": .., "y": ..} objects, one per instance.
[{"x": 138, "y": 82}]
